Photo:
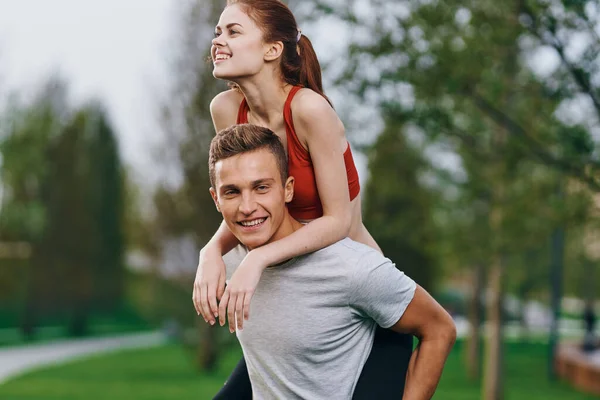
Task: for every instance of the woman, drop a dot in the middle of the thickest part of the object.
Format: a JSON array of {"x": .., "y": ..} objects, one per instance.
[{"x": 277, "y": 80}]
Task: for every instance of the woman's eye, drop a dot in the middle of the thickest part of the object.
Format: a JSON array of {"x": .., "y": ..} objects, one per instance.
[
  {"x": 217, "y": 34},
  {"x": 233, "y": 32}
]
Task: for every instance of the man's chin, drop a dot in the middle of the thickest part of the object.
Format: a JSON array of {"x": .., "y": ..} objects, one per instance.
[
  {"x": 252, "y": 241},
  {"x": 253, "y": 244}
]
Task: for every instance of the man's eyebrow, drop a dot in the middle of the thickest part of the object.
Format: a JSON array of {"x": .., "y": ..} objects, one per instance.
[
  {"x": 227, "y": 187},
  {"x": 229, "y": 25},
  {"x": 262, "y": 181}
]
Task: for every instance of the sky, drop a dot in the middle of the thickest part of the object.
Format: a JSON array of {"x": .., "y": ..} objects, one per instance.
[{"x": 112, "y": 49}]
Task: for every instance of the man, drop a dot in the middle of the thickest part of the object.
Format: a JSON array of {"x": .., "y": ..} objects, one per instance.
[{"x": 314, "y": 317}]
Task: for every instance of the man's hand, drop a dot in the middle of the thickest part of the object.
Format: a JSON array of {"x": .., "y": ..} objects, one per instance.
[
  {"x": 209, "y": 285},
  {"x": 239, "y": 291}
]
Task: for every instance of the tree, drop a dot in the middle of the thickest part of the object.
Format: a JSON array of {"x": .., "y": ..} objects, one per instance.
[
  {"x": 84, "y": 234},
  {"x": 188, "y": 209},
  {"x": 106, "y": 199},
  {"x": 461, "y": 73},
  {"x": 29, "y": 129},
  {"x": 398, "y": 206},
  {"x": 62, "y": 184}
]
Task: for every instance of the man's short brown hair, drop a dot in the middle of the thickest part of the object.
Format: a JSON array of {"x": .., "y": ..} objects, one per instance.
[{"x": 244, "y": 138}]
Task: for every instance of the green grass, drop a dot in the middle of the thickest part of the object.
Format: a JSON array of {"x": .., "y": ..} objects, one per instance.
[
  {"x": 526, "y": 376},
  {"x": 166, "y": 373},
  {"x": 151, "y": 374}
]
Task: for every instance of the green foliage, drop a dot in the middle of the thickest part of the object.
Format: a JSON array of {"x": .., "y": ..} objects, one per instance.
[
  {"x": 461, "y": 73},
  {"x": 467, "y": 75},
  {"x": 398, "y": 207},
  {"x": 189, "y": 207},
  {"x": 62, "y": 195},
  {"x": 186, "y": 210}
]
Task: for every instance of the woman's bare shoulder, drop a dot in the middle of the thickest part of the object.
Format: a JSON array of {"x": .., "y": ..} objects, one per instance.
[
  {"x": 307, "y": 101},
  {"x": 224, "y": 108},
  {"x": 312, "y": 113}
]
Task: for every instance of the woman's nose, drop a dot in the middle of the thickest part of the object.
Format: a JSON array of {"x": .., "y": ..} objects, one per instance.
[{"x": 217, "y": 41}]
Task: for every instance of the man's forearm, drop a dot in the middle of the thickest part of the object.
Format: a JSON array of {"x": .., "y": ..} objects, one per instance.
[{"x": 425, "y": 368}]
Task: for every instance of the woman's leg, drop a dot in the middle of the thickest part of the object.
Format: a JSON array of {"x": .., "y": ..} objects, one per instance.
[
  {"x": 384, "y": 373},
  {"x": 238, "y": 386}
]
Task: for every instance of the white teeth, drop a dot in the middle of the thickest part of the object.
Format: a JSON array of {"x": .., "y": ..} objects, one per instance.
[
  {"x": 222, "y": 56},
  {"x": 253, "y": 222}
]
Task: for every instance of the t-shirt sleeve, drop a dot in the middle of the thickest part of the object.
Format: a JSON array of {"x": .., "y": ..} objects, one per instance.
[{"x": 381, "y": 291}]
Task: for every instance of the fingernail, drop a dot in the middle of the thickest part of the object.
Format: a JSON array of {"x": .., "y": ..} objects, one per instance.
[{"x": 212, "y": 322}]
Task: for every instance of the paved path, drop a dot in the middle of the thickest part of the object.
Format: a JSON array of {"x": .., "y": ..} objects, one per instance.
[
  {"x": 592, "y": 358},
  {"x": 16, "y": 360},
  {"x": 595, "y": 357}
]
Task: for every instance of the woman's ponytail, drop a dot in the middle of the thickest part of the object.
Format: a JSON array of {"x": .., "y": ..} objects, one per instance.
[
  {"x": 310, "y": 69},
  {"x": 299, "y": 63}
]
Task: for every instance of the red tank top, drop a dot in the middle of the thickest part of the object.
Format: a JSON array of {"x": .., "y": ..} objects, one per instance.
[{"x": 306, "y": 204}]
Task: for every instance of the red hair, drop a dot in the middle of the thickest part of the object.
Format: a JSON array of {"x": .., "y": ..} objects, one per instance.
[{"x": 299, "y": 63}]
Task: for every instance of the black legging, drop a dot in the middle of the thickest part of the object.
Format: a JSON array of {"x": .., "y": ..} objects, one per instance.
[{"x": 382, "y": 377}]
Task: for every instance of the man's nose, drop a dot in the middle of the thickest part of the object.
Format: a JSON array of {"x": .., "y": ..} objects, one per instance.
[{"x": 248, "y": 204}]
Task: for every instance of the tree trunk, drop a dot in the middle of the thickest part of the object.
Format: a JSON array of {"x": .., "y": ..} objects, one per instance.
[
  {"x": 208, "y": 348},
  {"x": 493, "y": 378},
  {"x": 556, "y": 277},
  {"x": 475, "y": 317},
  {"x": 493, "y": 369}
]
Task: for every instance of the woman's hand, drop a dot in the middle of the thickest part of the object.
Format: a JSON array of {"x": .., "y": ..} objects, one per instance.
[
  {"x": 238, "y": 293},
  {"x": 209, "y": 284}
]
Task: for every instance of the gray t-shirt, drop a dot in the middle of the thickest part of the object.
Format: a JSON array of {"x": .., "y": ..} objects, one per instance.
[{"x": 312, "y": 321}]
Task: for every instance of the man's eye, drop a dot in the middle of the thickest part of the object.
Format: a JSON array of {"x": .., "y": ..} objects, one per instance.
[
  {"x": 262, "y": 187},
  {"x": 230, "y": 192}
]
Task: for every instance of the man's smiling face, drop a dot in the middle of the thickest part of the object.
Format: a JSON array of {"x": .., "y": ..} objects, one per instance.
[{"x": 250, "y": 195}]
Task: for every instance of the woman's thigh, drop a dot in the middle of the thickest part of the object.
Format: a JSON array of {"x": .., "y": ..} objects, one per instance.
[
  {"x": 384, "y": 373},
  {"x": 238, "y": 385}
]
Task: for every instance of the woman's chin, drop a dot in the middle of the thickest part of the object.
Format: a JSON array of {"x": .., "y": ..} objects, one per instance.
[{"x": 220, "y": 74}]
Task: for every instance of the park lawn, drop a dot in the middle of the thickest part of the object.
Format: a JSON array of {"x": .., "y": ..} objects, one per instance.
[
  {"x": 526, "y": 376},
  {"x": 166, "y": 373},
  {"x": 150, "y": 374}
]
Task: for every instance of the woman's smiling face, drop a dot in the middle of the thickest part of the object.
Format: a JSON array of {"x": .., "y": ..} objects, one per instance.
[{"x": 238, "y": 48}]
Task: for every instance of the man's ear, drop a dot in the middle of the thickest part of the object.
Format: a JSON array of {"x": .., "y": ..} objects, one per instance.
[
  {"x": 274, "y": 51},
  {"x": 289, "y": 189},
  {"x": 213, "y": 194}
]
